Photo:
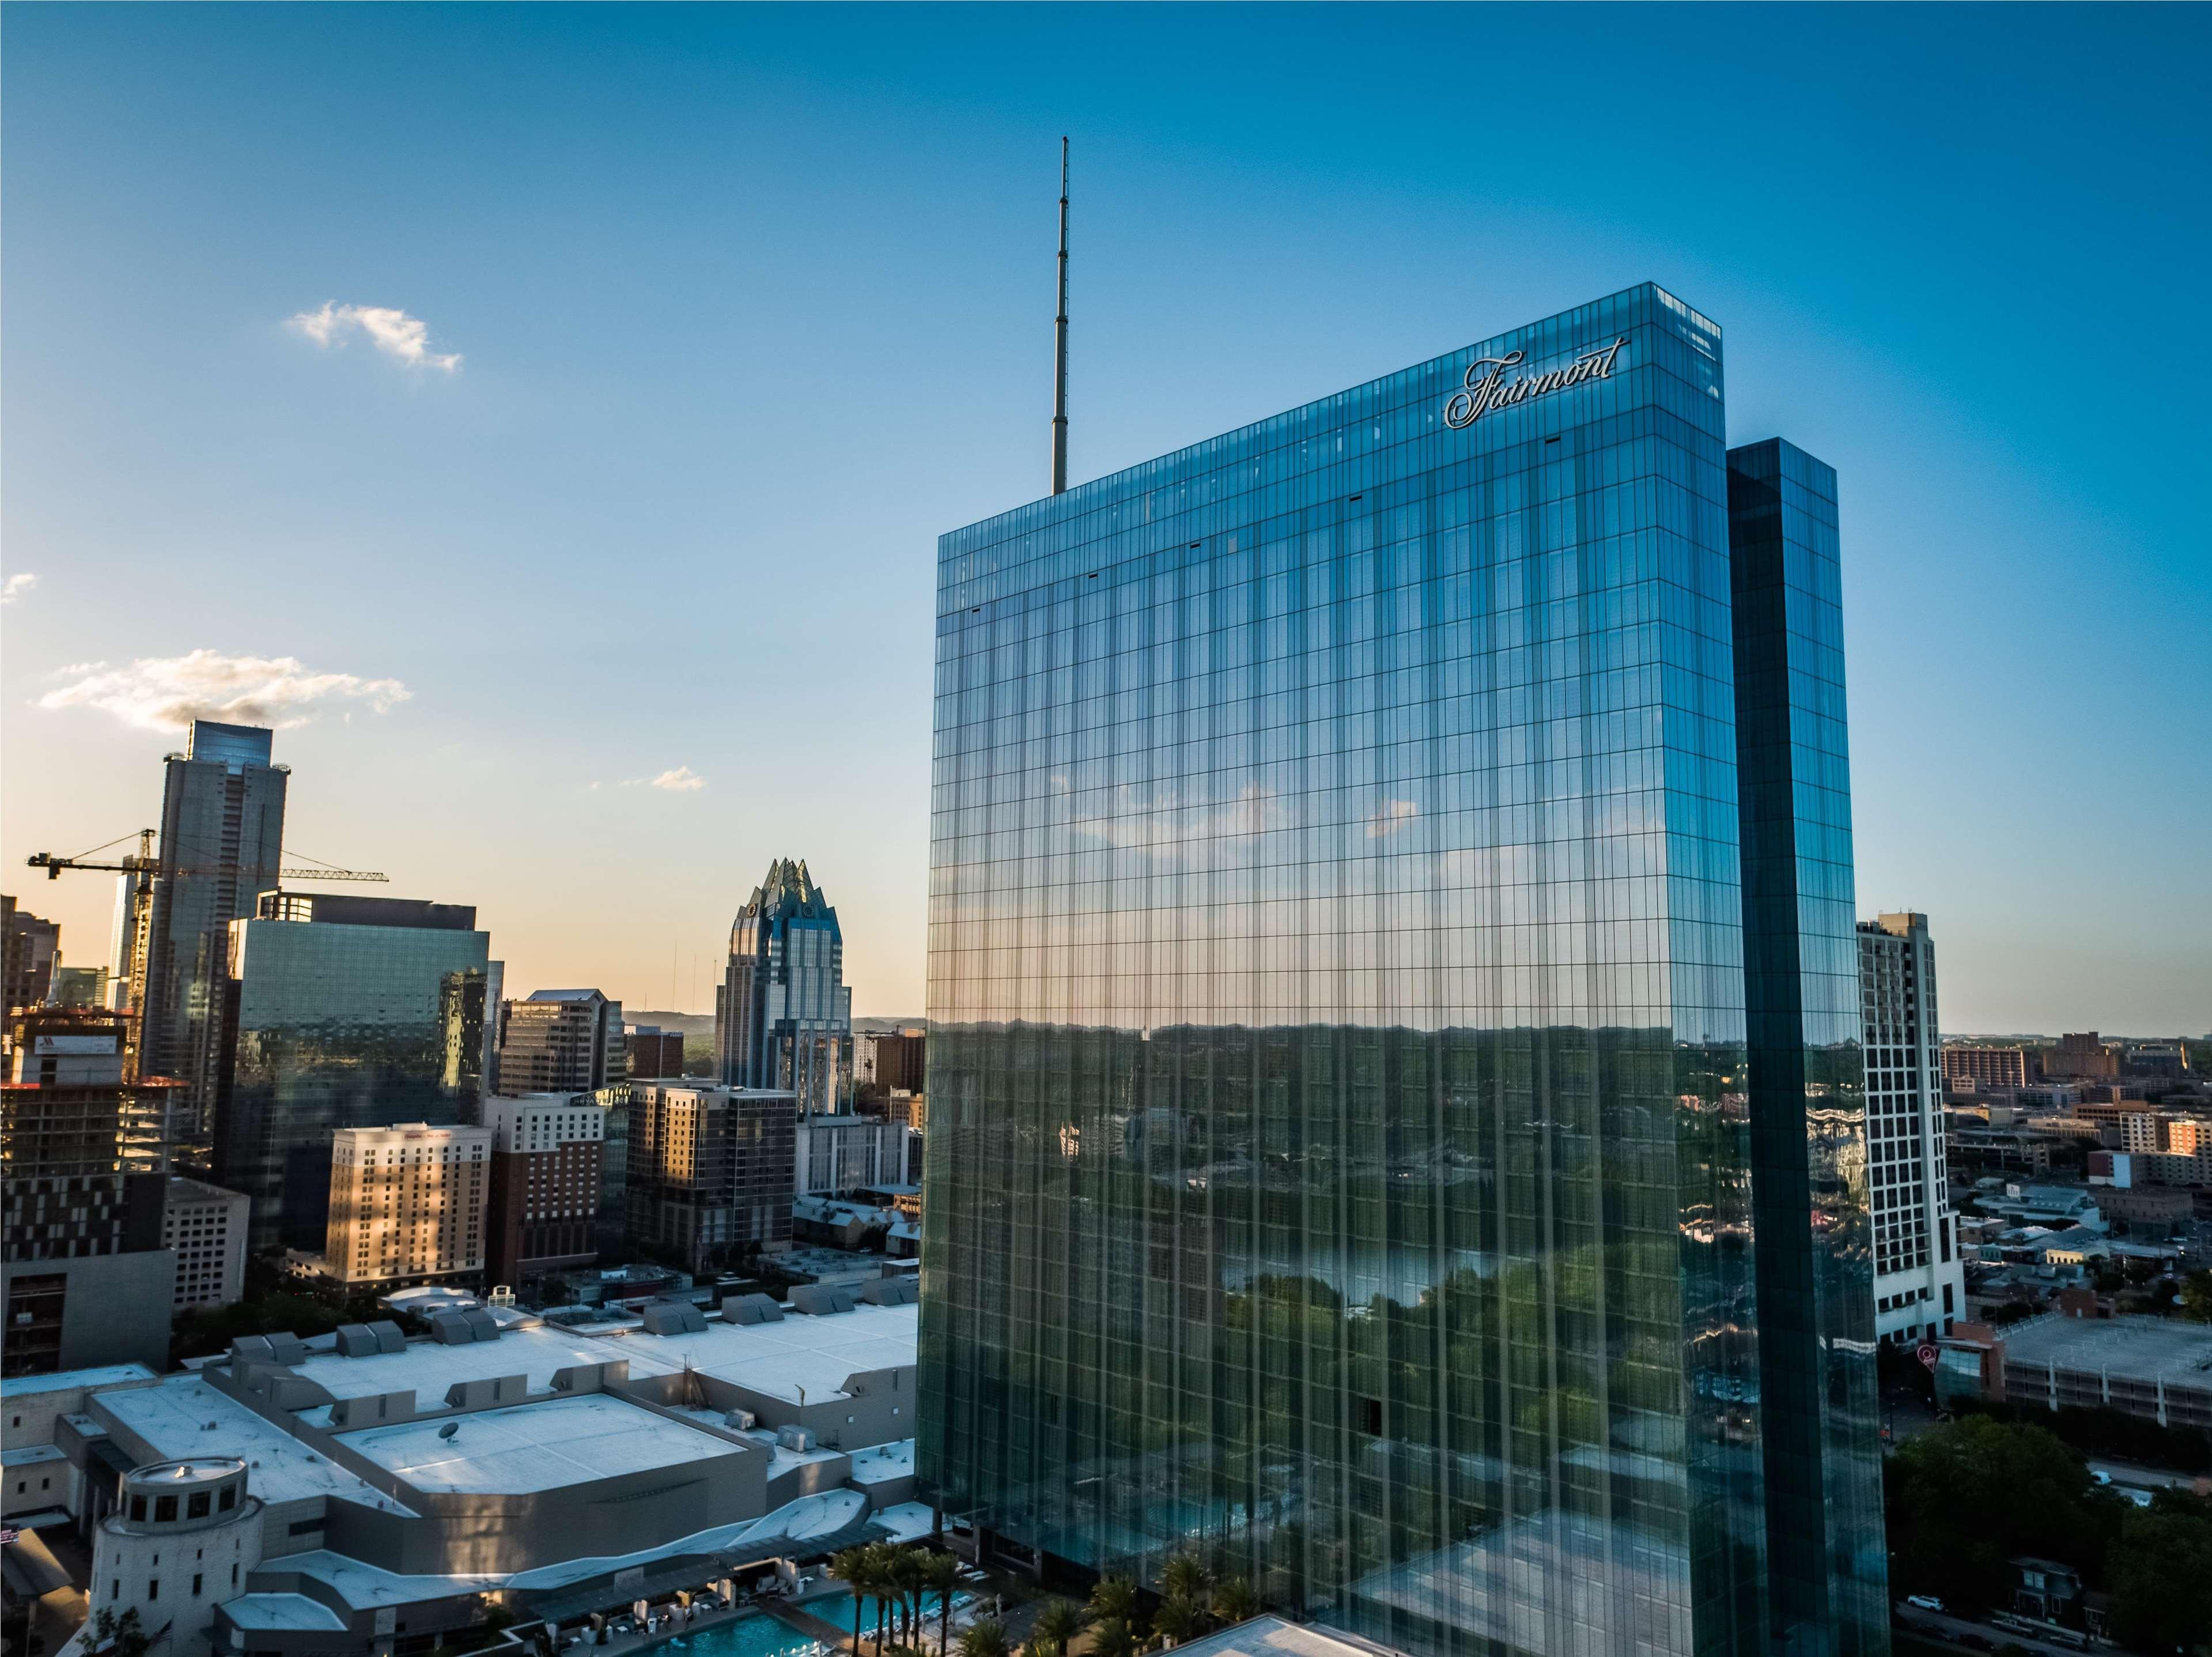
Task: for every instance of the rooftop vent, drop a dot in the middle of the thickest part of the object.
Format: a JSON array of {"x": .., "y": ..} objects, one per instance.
[
  {"x": 673, "y": 1318},
  {"x": 460, "y": 1328},
  {"x": 821, "y": 1299},
  {"x": 891, "y": 1291},
  {"x": 751, "y": 1309}
]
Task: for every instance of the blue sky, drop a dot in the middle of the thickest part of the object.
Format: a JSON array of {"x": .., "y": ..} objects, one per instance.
[{"x": 751, "y": 303}]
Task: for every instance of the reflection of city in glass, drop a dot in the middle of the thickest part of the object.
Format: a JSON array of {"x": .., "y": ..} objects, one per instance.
[
  {"x": 1342, "y": 1143},
  {"x": 342, "y": 1013}
]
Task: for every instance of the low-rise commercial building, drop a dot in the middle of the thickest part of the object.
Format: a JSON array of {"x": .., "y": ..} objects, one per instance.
[
  {"x": 2158, "y": 1369},
  {"x": 501, "y": 1461}
]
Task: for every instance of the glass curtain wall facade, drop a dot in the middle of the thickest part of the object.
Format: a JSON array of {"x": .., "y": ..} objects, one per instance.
[
  {"x": 223, "y": 838},
  {"x": 783, "y": 1016},
  {"x": 1340, "y": 1155},
  {"x": 1826, "y": 1568},
  {"x": 334, "y": 1025}
]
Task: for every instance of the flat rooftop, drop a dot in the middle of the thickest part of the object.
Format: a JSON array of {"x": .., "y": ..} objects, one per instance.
[
  {"x": 113, "y": 1374},
  {"x": 1274, "y": 1638},
  {"x": 429, "y": 1367},
  {"x": 2122, "y": 1346},
  {"x": 818, "y": 1355},
  {"x": 281, "y": 1613},
  {"x": 184, "y": 1417},
  {"x": 535, "y": 1446}
]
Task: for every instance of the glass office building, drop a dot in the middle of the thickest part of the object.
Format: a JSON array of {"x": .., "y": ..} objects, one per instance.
[
  {"x": 341, "y": 1012},
  {"x": 783, "y": 1015},
  {"x": 1347, "y": 1163}
]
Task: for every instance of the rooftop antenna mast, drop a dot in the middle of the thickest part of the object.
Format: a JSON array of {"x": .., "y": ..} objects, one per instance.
[{"x": 1060, "y": 345}]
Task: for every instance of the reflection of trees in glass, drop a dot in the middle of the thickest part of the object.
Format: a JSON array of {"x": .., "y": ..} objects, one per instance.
[{"x": 1421, "y": 1279}]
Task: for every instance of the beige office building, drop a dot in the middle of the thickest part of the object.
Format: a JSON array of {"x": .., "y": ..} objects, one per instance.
[{"x": 407, "y": 1202}]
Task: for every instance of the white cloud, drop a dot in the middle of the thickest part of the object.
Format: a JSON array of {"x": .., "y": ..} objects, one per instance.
[
  {"x": 159, "y": 693},
  {"x": 682, "y": 780},
  {"x": 1389, "y": 817},
  {"x": 391, "y": 332},
  {"x": 16, "y": 585}
]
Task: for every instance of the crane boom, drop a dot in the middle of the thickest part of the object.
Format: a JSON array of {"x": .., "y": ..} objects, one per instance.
[{"x": 145, "y": 864}]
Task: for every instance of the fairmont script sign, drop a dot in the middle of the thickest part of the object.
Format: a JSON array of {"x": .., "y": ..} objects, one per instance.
[{"x": 1485, "y": 386}]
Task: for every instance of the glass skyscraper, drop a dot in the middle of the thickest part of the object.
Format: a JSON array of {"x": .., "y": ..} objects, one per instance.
[
  {"x": 340, "y": 1011},
  {"x": 1349, "y": 1159},
  {"x": 783, "y": 1015},
  {"x": 223, "y": 838}
]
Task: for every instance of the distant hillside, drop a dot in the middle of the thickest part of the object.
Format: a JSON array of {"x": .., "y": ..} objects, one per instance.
[
  {"x": 691, "y": 1024},
  {"x": 877, "y": 1025}
]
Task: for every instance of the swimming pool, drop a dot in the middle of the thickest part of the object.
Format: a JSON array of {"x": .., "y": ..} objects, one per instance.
[{"x": 752, "y": 1634}]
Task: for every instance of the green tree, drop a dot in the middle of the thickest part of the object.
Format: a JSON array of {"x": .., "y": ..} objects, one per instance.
[
  {"x": 120, "y": 1637},
  {"x": 2197, "y": 1296},
  {"x": 984, "y": 1639},
  {"x": 1965, "y": 1497},
  {"x": 1183, "y": 1577},
  {"x": 1180, "y": 1617},
  {"x": 1114, "y": 1601},
  {"x": 2162, "y": 1577},
  {"x": 1057, "y": 1623},
  {"x": 944, "y": 1576},
  {"x": 855, "y": 1567},
  {"x": 1234, "y": 1602},
  {"x": 1114, "y": 1637}
]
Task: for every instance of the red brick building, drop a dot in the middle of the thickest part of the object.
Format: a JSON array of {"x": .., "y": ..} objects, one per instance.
[{"x": 545, "y": 1198}]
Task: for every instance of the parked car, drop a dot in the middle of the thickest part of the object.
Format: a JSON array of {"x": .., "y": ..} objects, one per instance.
[{"x": 1923, "y": 1601}]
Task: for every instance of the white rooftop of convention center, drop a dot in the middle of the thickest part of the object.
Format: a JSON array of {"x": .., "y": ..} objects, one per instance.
[
  {"x": 430, "y": 1368},
  {"x": 113, "y": 1374},
  {"x": 184, "y": 1418},
  {"x": 535, "y": 1446},
  {"x": 819, "y": 1354}
]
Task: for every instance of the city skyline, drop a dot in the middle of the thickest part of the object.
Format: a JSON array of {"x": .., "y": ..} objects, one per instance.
[{"x": 614, "y": 333}]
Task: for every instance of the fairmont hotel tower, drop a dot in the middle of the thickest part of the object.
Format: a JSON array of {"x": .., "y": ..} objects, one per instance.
[{"x": 1396, "y": 1118}]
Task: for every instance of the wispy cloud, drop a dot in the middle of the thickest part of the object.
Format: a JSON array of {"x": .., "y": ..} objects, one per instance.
[
  {"x": 391, "y": 332},
  {"x": 1389, "y": 817},
  {"x": 682, "y": 780},
  {"x": 159, "y": 693},
  {"x": 16, "y": 585}
]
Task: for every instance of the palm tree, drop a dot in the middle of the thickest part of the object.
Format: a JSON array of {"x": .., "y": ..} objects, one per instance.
[
  {"x": 944, "y": 1576},
  {"x": 1179, "y": 1617},
  {"x": 984, "y": 1639},
  {"x": 882, "y": 1582},
  {"x": 1114, "y": 1599},
  {"x": 1114, "y": 1637},
  {"x": 1184, "y": 1578},
  {"x": 855, "y": 1569},
  {"x": 910, "y": 1571},
  {"x": 1234, "y": 1602},
  {"x": 1057, "y": 1623}
]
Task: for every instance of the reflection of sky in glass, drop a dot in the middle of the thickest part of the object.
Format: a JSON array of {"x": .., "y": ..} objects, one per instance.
[{"x": 1338, "y": 1143}]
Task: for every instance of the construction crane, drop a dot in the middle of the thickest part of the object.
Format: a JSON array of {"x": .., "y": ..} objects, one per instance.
[{"x": 146, "y": 866}]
